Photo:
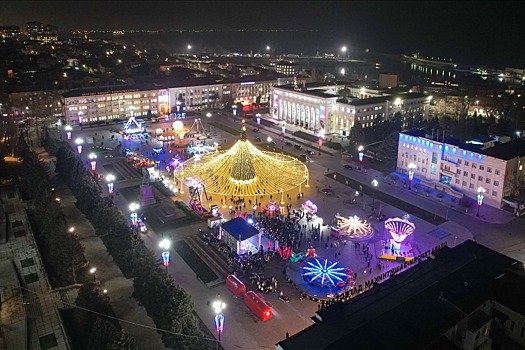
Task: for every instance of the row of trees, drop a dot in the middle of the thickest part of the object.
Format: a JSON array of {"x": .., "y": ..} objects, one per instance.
[
  {"x": 168, "y": 305},
  {"x": 93, "y": 331},
  {"x": 63, "y": 255},
  {"x": 62, "y": 252}
]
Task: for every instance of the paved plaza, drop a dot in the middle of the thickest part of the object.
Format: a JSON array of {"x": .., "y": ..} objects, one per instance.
[{"x": 437, "y": 220}]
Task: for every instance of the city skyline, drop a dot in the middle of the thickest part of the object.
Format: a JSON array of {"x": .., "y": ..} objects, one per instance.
[{"x": 486, "y": 33}]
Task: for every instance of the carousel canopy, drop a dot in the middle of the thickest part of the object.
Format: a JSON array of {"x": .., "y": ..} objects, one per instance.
[{"x": 243, "y": 170}]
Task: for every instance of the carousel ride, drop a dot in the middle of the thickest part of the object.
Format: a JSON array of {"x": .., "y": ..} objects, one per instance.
[
  {"x": 352, "y": 227},
  {"x": 396, "y": 245}
]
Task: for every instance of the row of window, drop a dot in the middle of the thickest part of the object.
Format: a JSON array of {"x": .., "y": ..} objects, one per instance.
[
  {"x": 473, "y": 186},
  {"x": 481, "y": 167},
  {"x": 480, "y": 178}
]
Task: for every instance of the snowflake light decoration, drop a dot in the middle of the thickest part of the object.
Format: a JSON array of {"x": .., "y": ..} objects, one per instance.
[
  {"x": 324, "y": 272},
  {"x": 399, "y": 229}
]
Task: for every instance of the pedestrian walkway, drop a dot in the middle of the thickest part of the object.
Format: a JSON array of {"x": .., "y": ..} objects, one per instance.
[{"x": 108, "y": 273}]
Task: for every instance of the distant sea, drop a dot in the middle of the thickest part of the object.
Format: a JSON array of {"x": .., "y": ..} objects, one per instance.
[{"x": 303, "y": 43}]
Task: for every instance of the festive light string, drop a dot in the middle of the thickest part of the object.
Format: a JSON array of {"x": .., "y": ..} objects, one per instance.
[{"x": 244, "y": 170}]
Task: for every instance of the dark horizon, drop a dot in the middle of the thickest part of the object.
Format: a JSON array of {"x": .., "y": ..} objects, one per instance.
[{"x": 485, "y": 33}]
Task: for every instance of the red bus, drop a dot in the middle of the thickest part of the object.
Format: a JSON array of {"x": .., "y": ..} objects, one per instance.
[
  {"x": 258, "y": 305},
  {"x": 235, "y": 286}
]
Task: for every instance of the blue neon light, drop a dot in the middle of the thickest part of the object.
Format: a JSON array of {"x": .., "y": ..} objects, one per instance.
[
  {"x": 324, "y": 272},
  {"x": 464, "y": 153}
]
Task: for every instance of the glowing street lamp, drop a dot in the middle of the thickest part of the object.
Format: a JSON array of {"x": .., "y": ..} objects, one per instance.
[
  {"x": 411, "y": 168},
  {"x": 110, "y": 178},
  {"x": 79, "y": 143},
  {"x": 133, "y": 207},
  {"x": 481, "y": 190},
  {"x": 189, "y": 47},
  {"x": 208, "y": 115},
  {"x": 93, "y": 158},
  {"x": 258, "y": 115},
  {"x": 267, "y": 47},
  {"x": 343, "y": 49},
  {"x": 68, "y": 129},
  {"x": 165, "y": 245},
  {"x": 71, "y": 229},
  {"x": 218, "y": 306},
  {"x": 360, "y": 155}
]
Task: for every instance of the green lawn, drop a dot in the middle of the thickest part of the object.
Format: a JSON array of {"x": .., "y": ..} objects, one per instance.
[
  {"x": 48, "y": 341},
  {"x": 226, "y": 128},
  {"x": 194, "y": 261},
  {"x": 27, "y": 262}
]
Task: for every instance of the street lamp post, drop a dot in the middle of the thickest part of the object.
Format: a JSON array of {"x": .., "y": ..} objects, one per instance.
[
  {"x": 93, "y": 271},
  {"x": 79, "y": 143},
  {"x": 258, "y": 115},
  {"x": 411, "y": 168},
  {"x": 93, "y": 158},
  {"x": 110, "y": 178},
  {"x": 269, "y": 139},
  {"x": 218, "y": 307},
  {"x": 165, "y": 245},
  {"x": 133, "y": 207},
  {"x": 360, "y": 156},
  {"x": 68, "y": 129},
  {"x": 343, "y": 50},
  {"x": 481, "y": 190}
]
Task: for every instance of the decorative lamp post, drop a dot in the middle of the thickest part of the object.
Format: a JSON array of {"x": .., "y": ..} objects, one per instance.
[
  {"x": 68, "y": 129},
  {"x": 258, "y": 115},
  {"x": 165, "y": 244},
  {"x": 411, "y": 168},
  {"x": 481, "y": 190},
  {"x": 93, "y": 158},
  {"x": 79, "y": 143},
  {"x": 133, "y": 207},
  {"x": 110, "y": 178},
  {"x": 269, "y": 139},
  {"x": 360, "y": 155},
  {"x": 218, "y": 306}
]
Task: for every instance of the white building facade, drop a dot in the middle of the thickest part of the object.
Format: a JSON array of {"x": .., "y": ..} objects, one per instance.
[
  {"x": 104, "y": 106},
  {"x": 316, "y": 110},
  {"x": 450, "y": 168}
]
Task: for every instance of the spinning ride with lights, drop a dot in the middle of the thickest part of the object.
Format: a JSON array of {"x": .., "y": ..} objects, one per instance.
[
  {"x": 352, "y": 227},
  {"x": 325, "y": 273},
  {"x": 244, "y": 170},
  {"x": 396, "y": 246}
]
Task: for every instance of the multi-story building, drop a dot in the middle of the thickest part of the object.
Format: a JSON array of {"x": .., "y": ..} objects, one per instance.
[
  {"x": 103, "y": 104},
  {"x": 286, "y": 68},
  {"x": 461, "y": 168},
  {"x": 316, "y": 110},
  {"x": 9, "y": 32},
  {"x": 41, "y": 103},
  {"x": 466, "y": 297},
  {"x": 41, "y": 32}
]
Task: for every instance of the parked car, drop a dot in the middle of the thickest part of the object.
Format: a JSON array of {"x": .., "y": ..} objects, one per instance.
[
  {"x": 298, "y": 146},
  {"x": 348, "y": 166},
  {"x": 288, "y": 143},
  {"x": 309, "y": 151},
  {"x": 257, "y": 139},
  {"x": 305, "y": 158}
]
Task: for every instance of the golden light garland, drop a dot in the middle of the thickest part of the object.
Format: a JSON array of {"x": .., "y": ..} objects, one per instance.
[{"x": 243, "y": 170}]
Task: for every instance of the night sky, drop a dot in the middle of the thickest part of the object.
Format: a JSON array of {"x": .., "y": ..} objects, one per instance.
[{"x": 474, "y": 32}]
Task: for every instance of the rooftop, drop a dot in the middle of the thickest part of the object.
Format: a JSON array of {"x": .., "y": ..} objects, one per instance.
[
  {"x": 239, "y": 228},
  {"x": 505, "y": 151},
  {"x": 413, "y": 309},
  {"x": 315, "y": 93}
]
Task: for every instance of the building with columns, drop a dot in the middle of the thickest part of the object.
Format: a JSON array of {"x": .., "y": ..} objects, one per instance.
[{"x": 331, "y": 114}]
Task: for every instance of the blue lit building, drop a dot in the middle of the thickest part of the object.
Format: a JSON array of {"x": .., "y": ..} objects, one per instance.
[{"x": 460, "y": 168}]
